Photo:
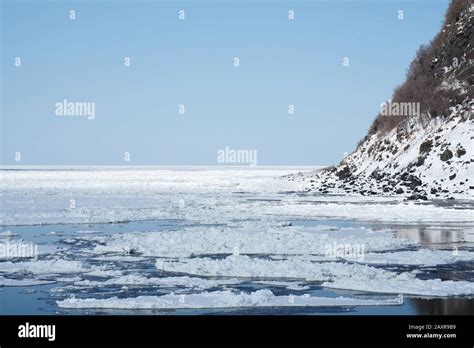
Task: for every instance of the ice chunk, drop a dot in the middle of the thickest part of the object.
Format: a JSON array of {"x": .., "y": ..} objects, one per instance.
[
  {"x": 421, "y": 257},
  {"x": 339, "y": 275},
  {"x": 184, "y": 281},
  {"x": 22, "y": 282},
  {"x": 220, "y": 299},
  {"x": 256, "y": 238},
  {"x": 52, "y": 266}
]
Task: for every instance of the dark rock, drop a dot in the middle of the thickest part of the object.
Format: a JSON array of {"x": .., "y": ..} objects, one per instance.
[
  {"x": 451, "y": 177},
  {"x": 425, "y": 147},
  {"x": 414, "y": 182},
  {"x": 420, "y": 161},
  {"x": 404, "y": 176},
  {"x": 446, "y": 155},
  {"x": 417, "y": 196},
  {"x": 399, "y": 191},
  {"x": 345, "y": 172},
  {"x": 460, "y": 151},
  {"x": 376, "y": 175}
]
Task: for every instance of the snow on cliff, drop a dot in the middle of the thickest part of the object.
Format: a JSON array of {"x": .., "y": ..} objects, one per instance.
[{"x": 424, "y": 154}]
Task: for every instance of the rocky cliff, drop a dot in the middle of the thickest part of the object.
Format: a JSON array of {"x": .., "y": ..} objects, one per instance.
[{"x": 421, "y": 145}]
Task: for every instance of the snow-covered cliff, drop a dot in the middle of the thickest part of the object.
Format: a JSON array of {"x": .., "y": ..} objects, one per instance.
[{"x": 429, "y": 151}]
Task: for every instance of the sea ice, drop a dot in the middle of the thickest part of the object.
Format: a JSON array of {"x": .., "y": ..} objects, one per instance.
[{"x": 220, "y": 299}]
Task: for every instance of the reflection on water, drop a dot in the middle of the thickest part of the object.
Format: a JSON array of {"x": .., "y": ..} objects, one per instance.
[
  {"x": 443, "y": 306},
  {"x": 436, "y": 237}
]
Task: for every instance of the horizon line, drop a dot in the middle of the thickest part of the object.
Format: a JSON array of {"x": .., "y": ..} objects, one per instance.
[{"x": 79, "y": 166}]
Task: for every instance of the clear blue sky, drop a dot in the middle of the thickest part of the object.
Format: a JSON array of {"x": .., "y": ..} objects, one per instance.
[{"x": 190, "y": 62}]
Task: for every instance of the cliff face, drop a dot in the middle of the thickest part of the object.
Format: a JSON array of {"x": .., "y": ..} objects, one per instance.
[{"x": 422, "y": 143}]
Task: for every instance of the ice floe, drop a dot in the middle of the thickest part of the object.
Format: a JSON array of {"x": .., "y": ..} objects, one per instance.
[
  {"x": 220, "y": 299},
  {"x": 255, "y": 239},
  {"x": 400, "y": 212},
  {"x": 53, "y": 266},
  {"x": 421, "y": 257},
  {"x": 22, "y": 282},
  {"x": 404, "y": 283},
  {"x": 339, "y": 275},
  {"x": 165, "y": 282}
]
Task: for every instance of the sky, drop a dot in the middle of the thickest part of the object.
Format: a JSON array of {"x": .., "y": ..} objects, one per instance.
[{"x": 190, "y": 62}]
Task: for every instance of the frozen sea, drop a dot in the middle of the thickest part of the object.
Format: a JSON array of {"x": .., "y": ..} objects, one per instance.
[{"x": 237, "y": 240}]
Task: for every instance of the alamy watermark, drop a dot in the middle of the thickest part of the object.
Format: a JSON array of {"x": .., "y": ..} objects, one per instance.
[
  {"x": 68, "y": 108},
  {"x": 390, "y": 108},
  {"x": 237, "y": 156},
  {"x": 347, "y": 251},
  {"x": 18, "y": 250}
]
